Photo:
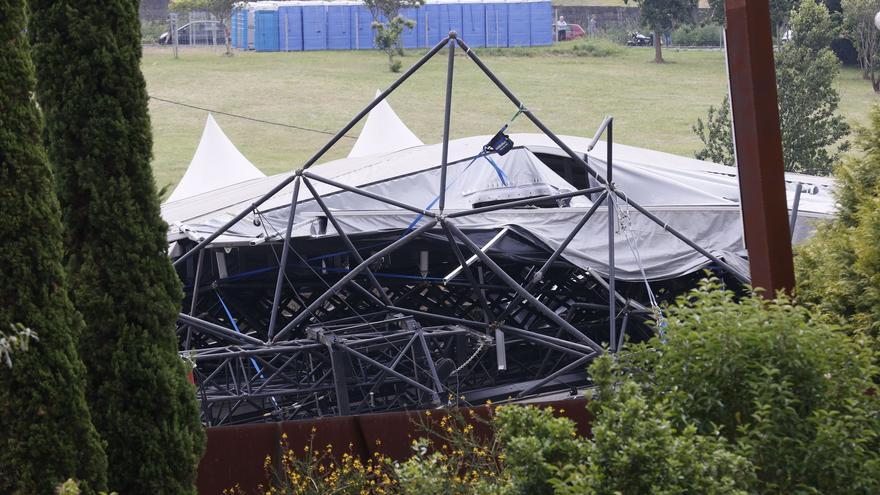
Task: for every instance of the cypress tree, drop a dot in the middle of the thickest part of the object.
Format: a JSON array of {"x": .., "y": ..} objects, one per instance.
[
  {"x": 46, "y": 432},
  {"x": 89, "y": 83}
]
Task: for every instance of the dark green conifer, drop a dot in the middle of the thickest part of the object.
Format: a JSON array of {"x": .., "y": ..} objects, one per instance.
[
  {"x": 88, "y": 54},
  {"x": 46, "y": 432}
]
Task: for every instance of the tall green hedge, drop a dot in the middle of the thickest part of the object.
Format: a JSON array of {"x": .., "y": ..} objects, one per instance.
[
  {"x": 87, "y": 54},
  {"x": 46, "y": 433}
]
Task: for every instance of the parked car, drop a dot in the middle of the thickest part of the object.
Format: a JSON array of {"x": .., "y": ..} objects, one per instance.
[
  {"x": 638, "y": 39},
  {"x": 196, "y": 33},
  {"x": 575, "y": 31}
]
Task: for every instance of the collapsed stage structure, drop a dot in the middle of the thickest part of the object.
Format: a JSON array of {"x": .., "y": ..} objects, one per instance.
[{"x": 409, "y": 276}]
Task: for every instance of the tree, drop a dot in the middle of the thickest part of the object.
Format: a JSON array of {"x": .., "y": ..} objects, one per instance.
[
  {"x": 388, "y": 25},
  {"x": 780, "y": 10},
  {"x": 663, "y": 15},
  {"x": 46, "y": 432},
  {"x": 98, "y": 137},
  {"x": 786, "y": 388},
  {"x": 813, "y": 133},
  {"x": 858, "y": 27},
  {"x": 838, "y": 270},
  {"x": 220, "y": 9}
]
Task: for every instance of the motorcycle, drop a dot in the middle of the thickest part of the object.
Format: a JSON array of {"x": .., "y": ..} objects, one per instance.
[{"x": 638, "y": 39}]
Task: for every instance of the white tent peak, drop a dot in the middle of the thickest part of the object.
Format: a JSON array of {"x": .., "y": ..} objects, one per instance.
[
  {"x": 384, "y": 132},
  {"x": 217, "y": 163}
]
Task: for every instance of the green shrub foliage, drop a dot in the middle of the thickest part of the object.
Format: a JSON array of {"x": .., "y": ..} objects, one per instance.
[
  {"x": 46, "y": 433},
  {"x": 838, "y": 270},
  {"x": 778, "y": 382},
  {"x": 87, "y": 55}
]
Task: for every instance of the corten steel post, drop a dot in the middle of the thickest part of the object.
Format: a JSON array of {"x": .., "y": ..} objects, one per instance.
[{"x": 758, "y": 144}]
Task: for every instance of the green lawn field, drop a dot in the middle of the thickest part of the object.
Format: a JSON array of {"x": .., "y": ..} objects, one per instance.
[{"x": 654, "y": 105}]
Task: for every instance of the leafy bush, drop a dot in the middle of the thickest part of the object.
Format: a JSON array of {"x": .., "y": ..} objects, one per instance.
[
  {"x": 692, "y": 35},
  {"x": 584, "y": 47},
  {"x": 777, "y": 381},
  {"x": 637, "y": 448},
  {"x": 838, "y": 270}
]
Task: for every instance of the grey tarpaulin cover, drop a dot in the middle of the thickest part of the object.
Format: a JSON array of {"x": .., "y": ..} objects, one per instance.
[{"x": 699, "y": 199}]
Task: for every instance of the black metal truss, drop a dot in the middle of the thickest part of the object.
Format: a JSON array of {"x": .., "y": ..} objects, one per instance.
[{"x": 354, "y": 323}]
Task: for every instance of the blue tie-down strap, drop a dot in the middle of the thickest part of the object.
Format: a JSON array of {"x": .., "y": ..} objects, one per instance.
[{"x": 483, "y": 154}]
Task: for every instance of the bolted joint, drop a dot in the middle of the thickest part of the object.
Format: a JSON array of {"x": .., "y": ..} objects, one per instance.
[{"x": 453, "y": 35}]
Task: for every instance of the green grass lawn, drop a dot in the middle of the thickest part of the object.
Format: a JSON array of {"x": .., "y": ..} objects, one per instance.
[{"x": 654, "y": 105}]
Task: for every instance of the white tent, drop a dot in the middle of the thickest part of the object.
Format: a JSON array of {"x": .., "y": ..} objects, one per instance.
[
  {"x": 383, "y": 132},
  {"x": 699, "y": 199},
  {"x": 216, "y": 164}
]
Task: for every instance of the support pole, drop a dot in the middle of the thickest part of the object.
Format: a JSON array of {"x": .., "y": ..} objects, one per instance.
[
  {"x": 612, "y": 309},
  {"x": 447, "y": 114},
  {"x": 544, "y": 310},
  {"x": 758, "y": 144},
  {"x": 306, "y": 312},
  {"x": 273, "y": 318},
  {"x": 317, "y": 156},
  {"x": 347, "y": 241}
]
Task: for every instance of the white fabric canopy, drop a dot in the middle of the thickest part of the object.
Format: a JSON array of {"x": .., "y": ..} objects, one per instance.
[
  {"x": 699, "y": 199},
  {"x": 216, "y": 164},
  {"x": 383, "y": 132}
]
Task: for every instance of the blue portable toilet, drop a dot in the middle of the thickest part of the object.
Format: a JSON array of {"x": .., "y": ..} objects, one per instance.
[
  {"x": 290, "y": 32},
  {"x": 242, "y": 28},
  {"x": 452, "y": 10},
  {"x": 314, "y": 17},
  {"x": 432, "y": 24},
  {"x": 410, "y": 36},
  {"x": 266, "y": 30},
  {"x": 339, "y": 30},
  {"x": 496, "y": 24},
  {"x": 541, "y": 15},
  {"x": 362, "y": 28},
  {"x": 519, "y": 30},
  {"x": 473, "y": 20}
]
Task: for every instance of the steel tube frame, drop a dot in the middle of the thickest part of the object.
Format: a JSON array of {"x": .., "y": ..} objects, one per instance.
[
  {"x": 609, "y": 183},
  {"x": 368, "y": 194},
  {"x": 447, "y": 114},
  {"x": 285, "y": 251},
  {"x": 524, "y": 202},
  {"x": 347, "y": 241},
  {"x": 217, "y": 330},
  {"x": 305, "y": 313},
  {"x": 540, "y": 125},
  {"x": 317, "y": 156},
  {"x": 680, "y": 236},
  {"x": 520, "y": 290}
]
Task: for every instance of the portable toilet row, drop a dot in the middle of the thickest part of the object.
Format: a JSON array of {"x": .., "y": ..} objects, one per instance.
[{"x": 347, "y": 25}]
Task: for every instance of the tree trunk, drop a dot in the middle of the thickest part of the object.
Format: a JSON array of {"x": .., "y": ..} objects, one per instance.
[
  {"x": 227, "y": 39},
  {"x": 875, "y": 81},
  {"x": 658, "y": 54}
]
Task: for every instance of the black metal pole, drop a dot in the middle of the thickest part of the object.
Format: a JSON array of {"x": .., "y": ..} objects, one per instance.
[
  {"x": 447, "y": 114},
  {"x": 547, "y": 312},
  {"x": 351, "y": 275},
  {"x": 347, "y": 241},
  {"x": 195, "y": 297},
  {"x": 478, "y": 293},
  {"x": 217, "y": 331},
  {"x": 540, "y": 125},
  {"x": 370, "y": 195},
  {"x": 681, "y": 237},
  {"x": 317, "y": 156},
  {"x": 524, "y": 202},
  {"x": 273, "y": 318},
  {"x": 612, "y": 302}
]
